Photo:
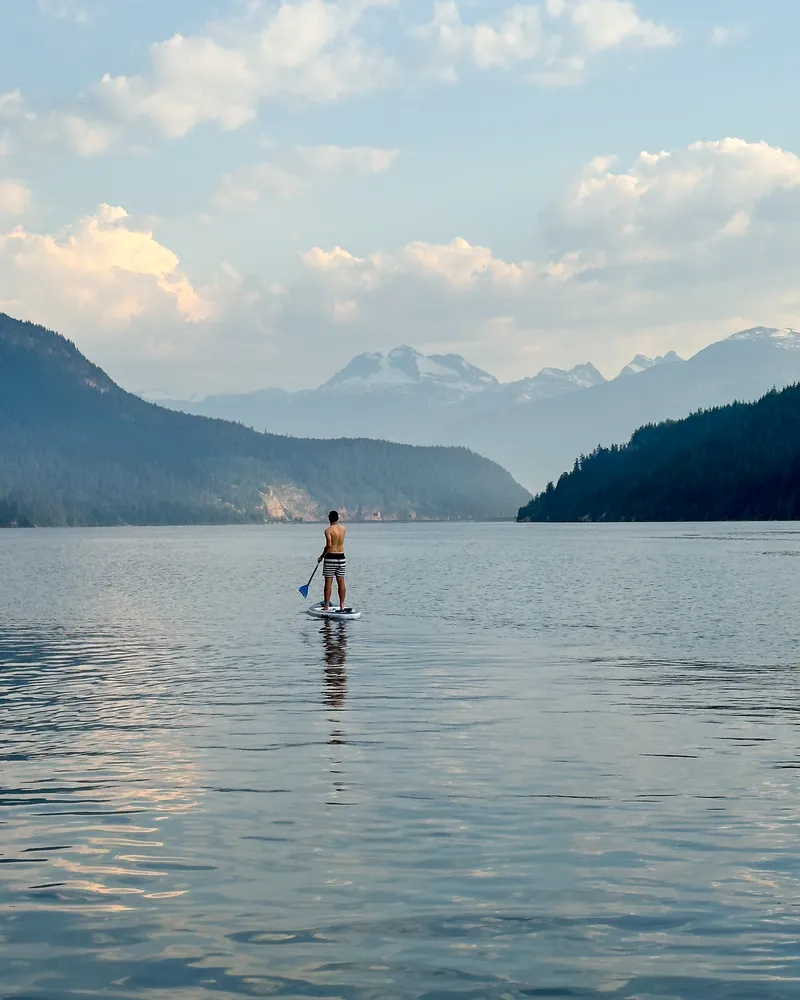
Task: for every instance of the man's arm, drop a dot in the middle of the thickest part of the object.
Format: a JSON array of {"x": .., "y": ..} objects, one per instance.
[{"x": 327, "y": 546}]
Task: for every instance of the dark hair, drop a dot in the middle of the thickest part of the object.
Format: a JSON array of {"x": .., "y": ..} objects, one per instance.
[{"x": 333, "y": 517}]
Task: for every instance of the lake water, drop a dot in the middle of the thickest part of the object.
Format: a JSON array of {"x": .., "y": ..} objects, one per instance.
[{"x": 550, "y": 761}]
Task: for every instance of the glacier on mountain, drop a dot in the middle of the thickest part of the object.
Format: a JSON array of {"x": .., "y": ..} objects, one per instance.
[{"x": 406, "y": 368}]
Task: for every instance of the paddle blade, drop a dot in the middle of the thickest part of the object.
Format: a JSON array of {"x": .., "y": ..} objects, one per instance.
[{"x": 304, "y": 590}]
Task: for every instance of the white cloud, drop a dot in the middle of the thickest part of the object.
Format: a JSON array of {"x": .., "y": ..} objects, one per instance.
[
  {"x": 721, "y": 37},
  {"x": 737, "y": 225},
  {"x": 554, "y": 39},
  {"x": 308, "y": 50},
  {"x": 668, "y": 200},
  {"x": 95, "y": 277},
  {"x": 293, "y": 173},
  {"x": 609, "y": 24},
  {"x": 350, "y": 159},
  {"x": 518, "y": 36},
  {"x": 22, "y": 127},
  {"x": 71, "y": 131},
  {"x": 15, "y": 198}
]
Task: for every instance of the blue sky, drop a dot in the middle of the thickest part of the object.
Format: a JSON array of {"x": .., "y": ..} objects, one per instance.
[{"x": 216, "y": 196}]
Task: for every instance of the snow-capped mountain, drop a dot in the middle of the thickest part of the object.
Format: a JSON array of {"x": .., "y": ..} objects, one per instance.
[
  {"x": 535, "y": 426},
  {"x": 402, "y": 396},
  {"x": 553, "y": 382},
  {"x": 787, "y": 337},
  {"x": 641, "y": 363},
  {"x": 406, "y": 369},
  {"x": 549, "y": 383}
]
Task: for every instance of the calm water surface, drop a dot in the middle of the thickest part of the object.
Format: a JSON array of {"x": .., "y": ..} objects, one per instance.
[{"x": 548, "y": 762}]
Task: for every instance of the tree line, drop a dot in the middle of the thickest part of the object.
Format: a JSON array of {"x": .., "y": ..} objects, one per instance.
[{"x": 735, "y": 462}]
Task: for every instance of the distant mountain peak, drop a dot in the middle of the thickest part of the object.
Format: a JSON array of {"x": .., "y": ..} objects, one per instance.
[
  {"x": 404, "y": 368},
  {"x": 586, "y": 374},
  {"x": 641, "y": 363},
  {"x": 786, "y": 337},
  {"x": 553, "y": 382}
]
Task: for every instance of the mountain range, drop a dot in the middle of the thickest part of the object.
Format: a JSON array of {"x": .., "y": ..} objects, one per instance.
[
  {"x": 535, "y": 427},
  {"x": 76, "y": 449}
]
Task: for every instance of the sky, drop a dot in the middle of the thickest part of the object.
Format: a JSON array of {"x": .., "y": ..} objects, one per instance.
[{"x": 224, "y": 195}]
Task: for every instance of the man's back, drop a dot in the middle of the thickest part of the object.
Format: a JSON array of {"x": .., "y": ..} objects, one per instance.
[{"x": 334, "y": 536}]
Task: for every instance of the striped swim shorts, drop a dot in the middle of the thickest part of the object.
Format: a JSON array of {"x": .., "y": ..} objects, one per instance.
[{"x": 334, "y": 566}]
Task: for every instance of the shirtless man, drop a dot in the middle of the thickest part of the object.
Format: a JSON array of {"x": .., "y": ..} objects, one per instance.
[{"x": 333, "y": 561}]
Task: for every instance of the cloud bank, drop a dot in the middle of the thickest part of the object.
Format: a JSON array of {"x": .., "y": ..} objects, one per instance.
[
  {"x": 554, "y": 40},
  {"x": 94, "y": 279},
  {"x": 664, "y": 252},
  {"x": 321, "y": 51}
]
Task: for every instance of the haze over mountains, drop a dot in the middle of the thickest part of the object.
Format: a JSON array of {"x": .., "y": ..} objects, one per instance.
[
  {"x": 535, "y": 427},
  {"x": 79, "y": 450},
  {"x": 397, "y": 397}
]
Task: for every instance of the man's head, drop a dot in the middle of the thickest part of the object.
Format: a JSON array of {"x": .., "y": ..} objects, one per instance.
[{"x": 333, "y": 517}]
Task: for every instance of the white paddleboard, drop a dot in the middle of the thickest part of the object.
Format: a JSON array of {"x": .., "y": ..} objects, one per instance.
[{"x": 349, "y": 614}]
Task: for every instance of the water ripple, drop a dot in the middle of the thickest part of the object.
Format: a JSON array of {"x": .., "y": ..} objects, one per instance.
[{"x": 581, "y": 783}]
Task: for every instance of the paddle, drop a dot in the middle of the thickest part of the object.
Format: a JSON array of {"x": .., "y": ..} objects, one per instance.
[{"x": 304, "y": 589}]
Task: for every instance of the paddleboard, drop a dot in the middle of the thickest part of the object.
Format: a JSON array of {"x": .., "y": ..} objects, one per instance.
[{"x": 349, "y": 614}]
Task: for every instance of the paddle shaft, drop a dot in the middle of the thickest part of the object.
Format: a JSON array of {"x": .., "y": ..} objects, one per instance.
[{"x": 312, "y": 575}]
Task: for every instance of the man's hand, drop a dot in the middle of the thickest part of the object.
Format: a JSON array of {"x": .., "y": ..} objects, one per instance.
[{"x": 320, "y": 560}]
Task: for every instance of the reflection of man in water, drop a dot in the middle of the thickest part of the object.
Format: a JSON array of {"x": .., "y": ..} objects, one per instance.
[
  {"x": 334, "y": 641},
  {"x": 334, "y": 646}
]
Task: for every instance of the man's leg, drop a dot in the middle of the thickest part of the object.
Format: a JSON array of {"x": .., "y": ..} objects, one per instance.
[
  {"x": 328, "y": 589},
  {"x": 342, "y": 590}
]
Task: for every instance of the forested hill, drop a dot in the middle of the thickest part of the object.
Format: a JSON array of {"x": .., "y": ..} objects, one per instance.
[
  {"x": 75, "y": 448},
  {"x": 737, "y": 462}
]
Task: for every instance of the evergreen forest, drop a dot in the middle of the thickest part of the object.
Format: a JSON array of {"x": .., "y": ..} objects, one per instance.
[{"x": 736, "y": 462}]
